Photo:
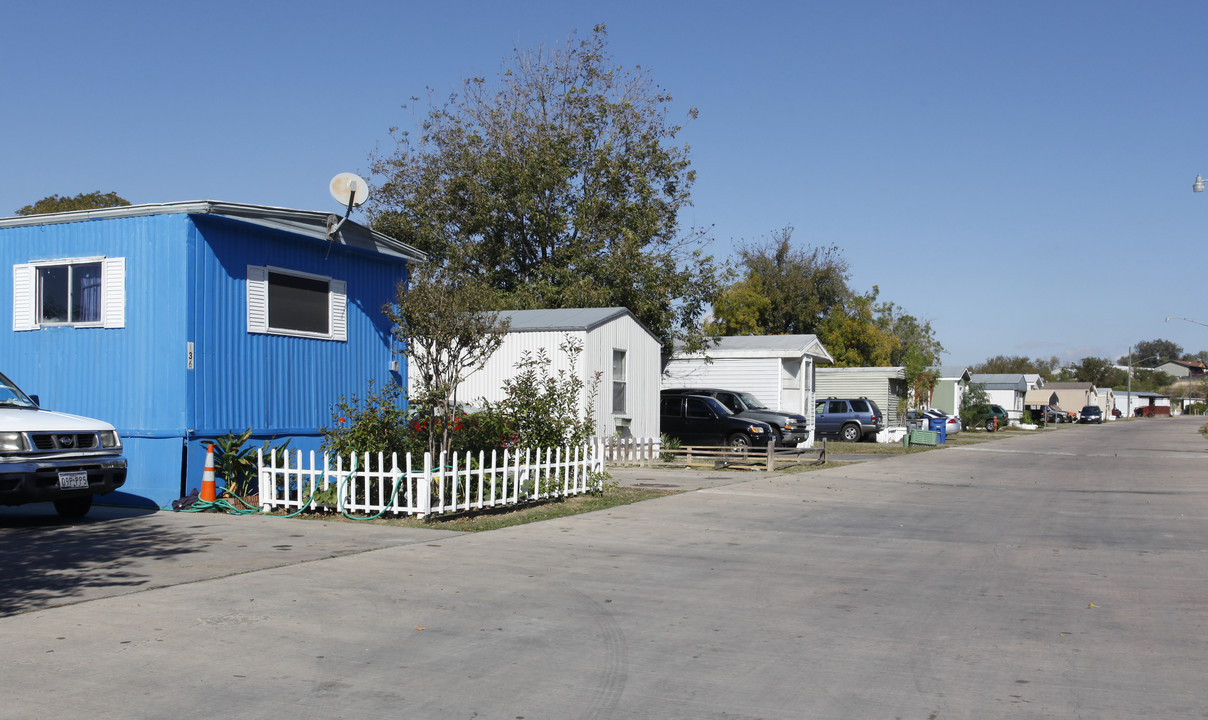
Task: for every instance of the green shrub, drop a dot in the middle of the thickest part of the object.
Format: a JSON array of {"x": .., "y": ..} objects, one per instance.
[
  {"x": 236, "y": 465},
  {"x": 373, "y": 424},
  {"x": 543, "y": 408}
]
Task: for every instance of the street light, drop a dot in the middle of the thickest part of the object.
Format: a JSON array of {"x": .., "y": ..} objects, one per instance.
[{"x": 1197, "y": 322}]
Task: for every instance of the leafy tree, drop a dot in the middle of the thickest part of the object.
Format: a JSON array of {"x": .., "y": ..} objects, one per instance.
[
  {"x": 1146, "y": 380},
  {"x": 854, "y": 338},
  {"x": 83, "y": 201},
  {"x": 738, "y": 309},
  {"x": 1152, "y": 353},
  {"x": 560, "y": 185},
  {"x": 975, "y": 405},
  {"x": 1018, "y": 365},
  {"x": 782, "y": 289},
  {"x": 912, "y": 335},
  {"x": 919, "y": 379},
  {"x": 445, "y": 324},
  {"x": 1100, "y": 371}
]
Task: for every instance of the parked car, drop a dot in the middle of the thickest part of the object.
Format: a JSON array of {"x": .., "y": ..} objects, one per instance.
[
  {"x": 50, "y": 456},
  {"x": 851, "y": 419},
  {"x": 989, "y": 416},
  {"x": 702, "y": 420},
  {"x": 1091, "y": 414},
  {"x": 1055, "y": 415},
  {"x": 789, "y": 429},
  {"x": 920, "y": 420}
]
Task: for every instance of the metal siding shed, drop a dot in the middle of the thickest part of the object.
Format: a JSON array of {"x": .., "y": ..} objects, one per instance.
[
  {"x": 600, "y": 331},
  {"x": 884, "y": 385}
]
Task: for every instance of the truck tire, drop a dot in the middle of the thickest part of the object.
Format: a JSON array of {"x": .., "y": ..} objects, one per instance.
[
  {"x": 738, "y": 440},
  {"x": 74, "y": 507},
  {"x": 850, "y": 433}
]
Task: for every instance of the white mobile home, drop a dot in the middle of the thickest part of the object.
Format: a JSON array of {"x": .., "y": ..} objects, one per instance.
[
  {"x": 777, "y": 369},
  {"x": 617, "y": 348},
  {"x": 1007, "y": 390}
]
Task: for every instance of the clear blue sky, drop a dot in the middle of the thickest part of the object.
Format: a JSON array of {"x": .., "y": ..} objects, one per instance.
[{"x": 1017, "y": 173}]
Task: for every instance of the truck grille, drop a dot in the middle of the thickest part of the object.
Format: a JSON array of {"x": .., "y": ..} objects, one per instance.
[{"x": 64, "y": 441}]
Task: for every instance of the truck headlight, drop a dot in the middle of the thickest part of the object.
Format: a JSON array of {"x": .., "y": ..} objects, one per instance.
[
  {"x": 755, "y": 429},
  {"x": 109, "y": 439},
  {"x": 11, "y": 442}
]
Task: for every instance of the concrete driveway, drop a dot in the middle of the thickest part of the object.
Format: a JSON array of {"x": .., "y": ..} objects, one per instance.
[{"x": 1056, "y": 575}]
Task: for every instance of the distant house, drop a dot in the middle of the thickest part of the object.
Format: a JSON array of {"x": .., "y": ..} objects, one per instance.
[
  {"x": 1073, "y": 396},
  {"x": 777, "y": 369},
  {"x": 884, "y": 385},
  {"x": 1184, "y": 368},
  {"x": 1037, "y": 399},
  {"x": 1142, "y": 403},
  {"x": 1107, "y": 401},
  {"x": 1008, "y": 390},
  {"x": 617, "y": 348},
  {"x": 181, "y": 322},
  {"x": 951, "y": 382}
]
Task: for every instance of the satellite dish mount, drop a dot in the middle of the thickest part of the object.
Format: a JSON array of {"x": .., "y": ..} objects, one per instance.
[{"x": 350, "y": 190}]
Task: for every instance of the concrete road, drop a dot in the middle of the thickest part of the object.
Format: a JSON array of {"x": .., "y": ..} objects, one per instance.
[{"x": 1060, "y": 575}]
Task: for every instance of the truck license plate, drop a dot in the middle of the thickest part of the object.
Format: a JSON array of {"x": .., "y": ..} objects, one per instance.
[{"x": 72, "y": 480}]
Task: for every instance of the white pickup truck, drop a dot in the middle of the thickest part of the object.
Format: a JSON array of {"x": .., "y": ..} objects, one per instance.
[{"x": 49, "y": 456}]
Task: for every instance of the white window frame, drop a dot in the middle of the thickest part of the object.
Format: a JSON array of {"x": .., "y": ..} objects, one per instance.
[
  {"x": 621, "y": 383},
  {"x": 257, "y": 304},
  {"x": 26, "y": 300}
]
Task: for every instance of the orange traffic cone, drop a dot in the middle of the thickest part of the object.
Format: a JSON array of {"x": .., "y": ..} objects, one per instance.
[{"x": 208, "y": 492}]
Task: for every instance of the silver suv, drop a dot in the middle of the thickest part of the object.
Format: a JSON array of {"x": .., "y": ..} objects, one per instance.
[{"x": 851, "y": 419}]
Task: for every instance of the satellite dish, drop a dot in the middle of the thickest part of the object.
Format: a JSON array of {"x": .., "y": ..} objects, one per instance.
[{"x": 349, "y": 189}]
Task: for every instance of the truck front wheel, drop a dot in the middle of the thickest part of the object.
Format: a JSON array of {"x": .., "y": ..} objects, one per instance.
[{"x": 74, "y": 507}]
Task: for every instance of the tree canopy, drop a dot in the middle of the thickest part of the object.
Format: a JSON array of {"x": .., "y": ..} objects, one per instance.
[
  {"x": 1152, "y": 353},
  {"x": 1019, "y": 365},
  {"x": 559, "y": 185},
  {"x": 1100, "y": 371},
  {"x": 83, "y": 201},
  {"x": 782, "y": 289}
]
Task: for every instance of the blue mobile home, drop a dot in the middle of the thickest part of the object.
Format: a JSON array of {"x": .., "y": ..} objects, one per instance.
[{"x": 181, "y": 322}]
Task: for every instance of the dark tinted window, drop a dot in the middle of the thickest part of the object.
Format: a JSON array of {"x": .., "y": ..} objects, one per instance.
[
  {"x": 730, "y": 401},
  {"x": 836, "y": 406},
  {"x": 670, "y": 406},
  {"x": 298, "y": 303},
  {"x": 697, "y": 409},
  {"x": 859, "y": 406}
]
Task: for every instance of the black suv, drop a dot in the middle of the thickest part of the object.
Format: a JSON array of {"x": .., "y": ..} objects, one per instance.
[
  {"x": 1091, "y": 414},
  {"x": 701, "y": 420},
  {"x": 789, "y": 429},
  {"x": 852, "y": 419}
]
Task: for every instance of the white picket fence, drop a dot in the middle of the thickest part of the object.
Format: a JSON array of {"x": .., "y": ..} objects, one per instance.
[{"x": 378, "y": 484}]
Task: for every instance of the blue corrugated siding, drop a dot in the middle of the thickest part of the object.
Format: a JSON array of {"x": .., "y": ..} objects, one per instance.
[
  {"x": 133, "y": 376},
  {"x": 275, "y": 383}
]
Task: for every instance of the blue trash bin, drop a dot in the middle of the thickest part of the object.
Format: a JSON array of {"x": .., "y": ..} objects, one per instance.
[{"x": 939, "y": 425}]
